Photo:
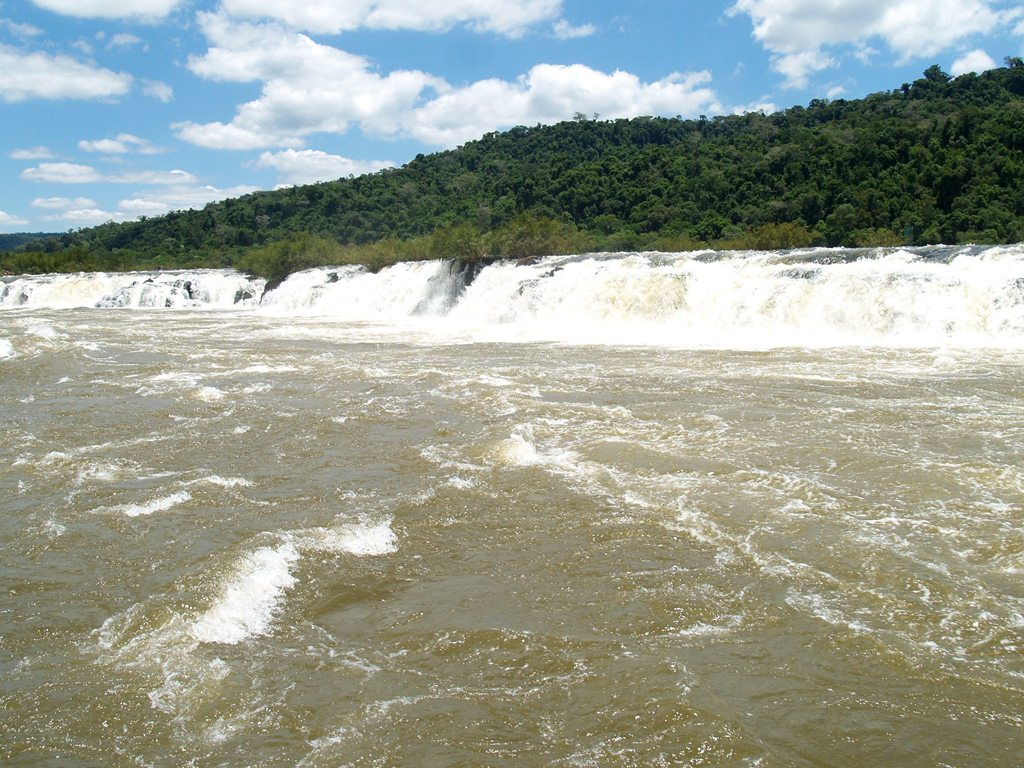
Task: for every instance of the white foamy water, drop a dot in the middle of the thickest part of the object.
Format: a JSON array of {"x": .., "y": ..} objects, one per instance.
[
  {"x": 172, "y": 289},
  {"x": 6, "y": 349},
  {"x": 252, "y": 596},
  {"x": 249, "y": 600},
  {"x": 395, "y": 294},
  {"x": 209, "y": 394},
  {"x": 227, "y": 482},
  {"x": 161, "y": 504},
  {"x": 358, "y": 540},
  {"x": 962, "y": 296}
]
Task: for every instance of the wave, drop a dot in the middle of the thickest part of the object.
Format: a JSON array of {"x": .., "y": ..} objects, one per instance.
[
  {"x": 249, "y": 601},
  {"x": 175, "y": 289},
  {"x": 930, "y": 296},
  {"x": 934, "y": 296}
]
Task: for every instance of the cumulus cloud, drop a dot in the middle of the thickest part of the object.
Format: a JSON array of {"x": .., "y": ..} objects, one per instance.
[
  {"x": 123, "y": 144},
  {"x": 509, "y": 17},
  {"x": 109, "y": 146},
  {"x": 21, "y": 30},
  {"x": 796, "y": 32},
  {"x": 308, "y": 166},
  {"x": 764, "y": 107},
  {"x": 79, "y": 211},
  {"x": 312, "y": 88},
  {"x": 75, "y": 173},
  {"x": 158, "y": 90},
  {"x": 176, "y": 197},
  {"x": 307, "y": 88},
  {"x": 549, "y": 93},
  {"x": 111, "y": 9},
  {"x": 565, "y": 31},
  {"x": 797, "y": 68},
  {"x": 9, "y": 220},
  {"x": 31, "y": 153},
  {"x": 62, "y": 203},
  {"x": 84, "y": 217},
  {"x": 123, "y": 40},
  {"x": 42, "y": 76},
  {"x": 62, "y": 173},
  {"x": 151, "y": 177},
  {"x": 182, "y": 192},
  {"x": 974, "y": 61}
]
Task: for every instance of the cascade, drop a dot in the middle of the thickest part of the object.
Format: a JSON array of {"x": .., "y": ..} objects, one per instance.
[{"x": 929, "y": 296}]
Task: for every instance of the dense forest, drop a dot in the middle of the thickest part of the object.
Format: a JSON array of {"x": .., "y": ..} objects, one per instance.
[
  {"x": 939, "y": 160},
  {"x": 8, "y": 242}
]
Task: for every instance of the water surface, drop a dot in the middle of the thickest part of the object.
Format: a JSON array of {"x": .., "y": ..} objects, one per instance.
[{"x": 262, "y": 536}]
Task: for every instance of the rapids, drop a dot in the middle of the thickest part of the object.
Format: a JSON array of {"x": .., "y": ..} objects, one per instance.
[
  {"x": 760, "y": 509},
  {"x": 917, "y": 297}
]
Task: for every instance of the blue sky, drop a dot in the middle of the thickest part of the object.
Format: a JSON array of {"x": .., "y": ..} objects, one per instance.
[{"x": 115, "y": 109}]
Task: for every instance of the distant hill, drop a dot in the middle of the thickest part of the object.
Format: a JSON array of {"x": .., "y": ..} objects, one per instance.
[
  {"x": 12, "y": 241},
  {"x": 936, "y": 160}
]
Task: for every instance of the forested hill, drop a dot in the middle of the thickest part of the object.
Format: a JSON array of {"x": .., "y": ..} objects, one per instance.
[
  {"x": 937, "y": 160},
  {"x": 12, "y": 241}
]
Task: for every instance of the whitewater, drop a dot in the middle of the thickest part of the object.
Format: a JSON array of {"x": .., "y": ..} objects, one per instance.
[
  {"x": 932, "y": 296},
  {"x": 723, "y": 509}
]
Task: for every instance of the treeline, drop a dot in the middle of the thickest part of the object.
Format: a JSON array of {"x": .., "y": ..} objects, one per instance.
[
  {"x": 8, "y": 242},
  {"x": 939, "y": 160}
]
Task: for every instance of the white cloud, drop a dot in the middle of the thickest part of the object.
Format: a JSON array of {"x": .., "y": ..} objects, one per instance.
[
  {"x": 974, "y": 61},
  {"x": 123, "y": 144},
  {"x": 111, "y": 9},
  {"x": 243, "y": 53},
  {"x": 549, "y": 93},
  {"x": 219, "y": 135},
  {"x": 798, "y": 67},
  {"x": 173, "y": 191},
  {"x": 109, "y": 146},
  {"x": 565, "y": 31},
  {"x": 313, "y": 88},
  {"x": 31, "y": 153},
  {"x": 307, "y": 88},
  {"x": 797, "y": 31},
  {"x": 9, "y": 220},
  {"x": 864, "y": 53},
  {"x": 764, "y": 107},
  {"x": 74, "y": 173},
  {"x": 85, "y": 217},
  {"x": 308, "y": 166},
  {"x": 84, "y": 212},
  {"x": 123, "y": 40},
  {"x": 158, "y": 90},
  {"x": 21, "y": 30},
  {"x": 177, "y": 197},
  {"x": 62, "y": 173},
  {"x": 152, "y": 177},
  {"x": 140, "y": 206},
  {"x": 509, "y": 17},
  {"x": 42, "y": 76},
  {"x": 62, "y": 203}
]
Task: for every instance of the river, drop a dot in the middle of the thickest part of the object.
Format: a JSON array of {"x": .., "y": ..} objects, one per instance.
[{"x": 752, "y": 509}]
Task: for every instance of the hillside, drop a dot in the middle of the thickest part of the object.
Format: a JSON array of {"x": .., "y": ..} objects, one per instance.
[
  {"x": 936, "y": 160},
  {"x": 8, "y": 242}
]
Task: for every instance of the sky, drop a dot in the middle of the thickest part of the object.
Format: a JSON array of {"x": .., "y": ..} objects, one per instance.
[{"x": 115, "y": 109}]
